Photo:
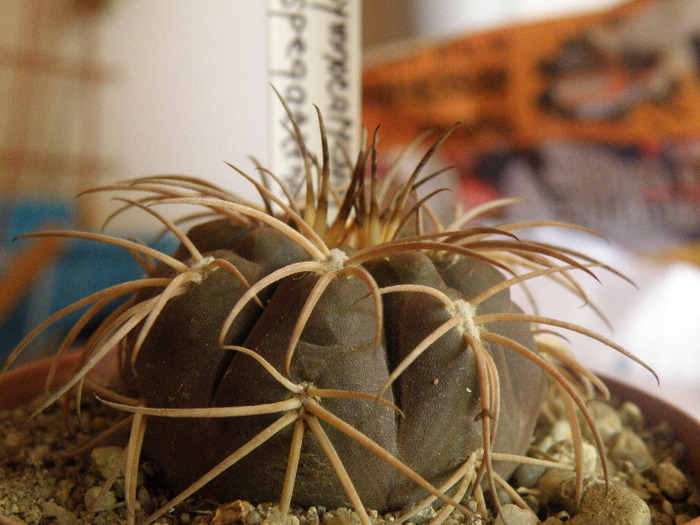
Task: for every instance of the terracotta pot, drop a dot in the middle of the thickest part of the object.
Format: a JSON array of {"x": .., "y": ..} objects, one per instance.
[{"x": 23, "y": 383}]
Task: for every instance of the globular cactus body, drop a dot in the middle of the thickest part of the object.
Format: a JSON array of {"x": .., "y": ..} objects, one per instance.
[
  {"x": 286, "y": 354},
  {"x": 438, "y": 394}
]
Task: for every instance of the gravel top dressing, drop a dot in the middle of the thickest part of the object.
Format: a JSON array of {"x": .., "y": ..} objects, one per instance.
[{"x": 45, "y": 477}]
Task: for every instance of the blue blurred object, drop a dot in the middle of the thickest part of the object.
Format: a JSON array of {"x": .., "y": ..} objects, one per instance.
[
  {"x": 30, "y": 215},
  {"x": 83, "y": 267}
]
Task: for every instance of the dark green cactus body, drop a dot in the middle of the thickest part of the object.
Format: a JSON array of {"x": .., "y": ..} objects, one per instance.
[
  {"x": 336, "y": 351},
  {"x": 438, "y": 394}
]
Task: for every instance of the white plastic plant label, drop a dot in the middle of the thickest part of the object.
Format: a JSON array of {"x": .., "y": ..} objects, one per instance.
[{"x": 314, "y": 56}]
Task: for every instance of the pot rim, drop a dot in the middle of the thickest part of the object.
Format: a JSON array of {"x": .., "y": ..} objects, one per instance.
[{"x": 24, "y": 382}]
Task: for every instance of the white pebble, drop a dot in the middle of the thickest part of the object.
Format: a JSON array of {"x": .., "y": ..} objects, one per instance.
[{"x": 514, "y": 515}]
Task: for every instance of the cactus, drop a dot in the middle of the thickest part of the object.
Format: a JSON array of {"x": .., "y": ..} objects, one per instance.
[{"x": 369, "y": 357}]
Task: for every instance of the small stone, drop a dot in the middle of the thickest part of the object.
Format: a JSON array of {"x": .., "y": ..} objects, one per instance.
[
  {"x": 13, "y": 439},
  {"x": 549, "y": 483},
  {"x": 253, "y": 518},
  {"x": 532, "y": 501},
  {"x": 652, "y": 488},
  {"x": 231, "y": 513},
  {"x": 631, "y": 416},
  {"x": 59, "y": 514},
  {"x": 142, "y": 495},
  {"x": 629, "y": 447},
  {"x": 63, "y": 491},
  {"x": 638, "y": 483},
  {"x": 563, "y": 452},
  {"x": 18, "y": 415},
  {"x": 544, "y": 443},
  {"x": 107, "y": 501},
  {"x": 105, "y": 459},
  {"x": 528, "y": 475},
  {"x": 681, "y": 519},
  {"x": 560, "y": 431},
  {"x": 612, "y": 504},
  {"x": 671, "y": 480},
  {"x": 311, "y": 517},
  {"x": 350, "y": 518},
  {"x": 275, "y": 517},
  {"x": 607, "y": 421},
  {"x": 514, "y": 515},
  {"x": 667, "y": 507},
  {"x": 38, "y": 455},
  {"x": 694, "y": 497}
]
